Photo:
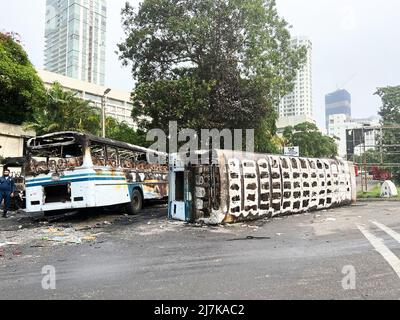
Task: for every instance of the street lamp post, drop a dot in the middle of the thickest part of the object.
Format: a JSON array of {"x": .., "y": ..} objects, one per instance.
[{"x": 103, "y": 112}]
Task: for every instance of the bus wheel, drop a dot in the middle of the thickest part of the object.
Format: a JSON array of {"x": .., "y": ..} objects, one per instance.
[{"x": 136, "y": 204}]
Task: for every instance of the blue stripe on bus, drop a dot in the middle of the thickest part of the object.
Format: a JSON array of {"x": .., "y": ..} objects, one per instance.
[
  {"x": 74, "y": 176},
  {"x": 75, "y": 180}
]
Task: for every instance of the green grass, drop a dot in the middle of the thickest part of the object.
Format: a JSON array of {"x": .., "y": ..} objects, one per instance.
[{"x": 373, "y": 193}]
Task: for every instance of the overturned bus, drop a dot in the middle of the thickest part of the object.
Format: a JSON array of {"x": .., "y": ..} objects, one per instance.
[{"x": 239, "y": 186}]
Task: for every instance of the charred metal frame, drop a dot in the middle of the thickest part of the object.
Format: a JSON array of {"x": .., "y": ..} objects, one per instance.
[
  {"x": 240, "y": 186},
  {"x": 63, "y": 139}
]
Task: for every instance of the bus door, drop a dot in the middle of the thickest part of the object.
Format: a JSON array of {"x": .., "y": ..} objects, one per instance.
[{"x": 180, "y": 199}]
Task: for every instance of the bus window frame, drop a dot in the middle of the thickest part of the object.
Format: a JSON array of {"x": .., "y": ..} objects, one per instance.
[
  {"x": 117, "y": 165},
  {"x": 104, "y": 155}
]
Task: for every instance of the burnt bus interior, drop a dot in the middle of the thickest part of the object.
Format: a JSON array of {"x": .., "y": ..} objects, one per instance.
[
  {"x": 207, "y": 187},
  {"x": 54, "y": 159},
  {"x": 202, "y": 182},
  {"x": 54, "y": 153},
  {"x": 65, "y": 151}
]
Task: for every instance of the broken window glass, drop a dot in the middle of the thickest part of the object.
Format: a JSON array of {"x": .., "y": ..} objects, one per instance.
[{"x": 55, "y": 158}]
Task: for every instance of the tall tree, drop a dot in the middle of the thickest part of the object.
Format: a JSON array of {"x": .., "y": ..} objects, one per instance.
[
  {"x": 311, "y": 141},
  {"x": 390, "y": 116},
  {"x": 390, "y": 110},
  {"x": 121, "y": 131},
  {"x": 64, "y": 111},
  {"x": 210, "y": 64},
  {"x": 21, "y": 89}
]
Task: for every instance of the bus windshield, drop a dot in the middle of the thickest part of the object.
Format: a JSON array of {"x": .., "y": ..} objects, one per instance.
[
  {"x": 55, "y": 158},
  {"x": 67, "y": 151}
]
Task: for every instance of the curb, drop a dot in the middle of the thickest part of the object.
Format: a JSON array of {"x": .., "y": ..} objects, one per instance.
[{"x": 378, "y": 200}]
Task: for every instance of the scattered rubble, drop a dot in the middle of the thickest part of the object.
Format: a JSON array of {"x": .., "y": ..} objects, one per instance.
[
  {"x": 16, "y": 253},
  {"x": 67, "y": 235},
  {"x": 22, "y": 230}
]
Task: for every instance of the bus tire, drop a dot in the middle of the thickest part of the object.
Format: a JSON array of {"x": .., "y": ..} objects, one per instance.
[{"x": 136, "y": 204}]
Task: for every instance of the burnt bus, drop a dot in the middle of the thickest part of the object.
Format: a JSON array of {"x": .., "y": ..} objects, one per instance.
[
  {"x": 240, "y": 186},
  {"x": 68, "y": 171}
]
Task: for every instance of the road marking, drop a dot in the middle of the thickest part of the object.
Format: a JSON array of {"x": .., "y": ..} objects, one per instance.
[
  {"x": 384, "y": 251},
  {"x": 389, "y": 231}
]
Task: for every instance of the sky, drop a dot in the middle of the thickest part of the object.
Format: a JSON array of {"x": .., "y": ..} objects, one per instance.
[{"x": 355, "y": 44}]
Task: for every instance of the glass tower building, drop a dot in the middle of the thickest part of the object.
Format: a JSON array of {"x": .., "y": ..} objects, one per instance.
[
  {"x": 338, "y": 102},
  {"x": 75, "y": 39}
]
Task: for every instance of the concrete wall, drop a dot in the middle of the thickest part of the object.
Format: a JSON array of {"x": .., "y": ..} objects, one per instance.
[{"x": 12, "y": 140}]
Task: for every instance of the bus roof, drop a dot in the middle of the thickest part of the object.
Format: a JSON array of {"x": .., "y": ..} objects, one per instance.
[
  {"x": 15, "y": 162},
  {"x": 70, "y": 137}
]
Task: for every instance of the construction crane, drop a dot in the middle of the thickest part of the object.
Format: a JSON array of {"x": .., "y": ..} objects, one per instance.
[{"x": 346, "y": 82}]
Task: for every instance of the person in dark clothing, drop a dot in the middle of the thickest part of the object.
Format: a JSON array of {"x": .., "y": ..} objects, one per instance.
[{"x": 7, "y": 189}]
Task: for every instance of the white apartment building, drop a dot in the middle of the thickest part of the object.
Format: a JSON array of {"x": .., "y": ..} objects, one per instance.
[
  {"x": 75, "y": 39},
  {"x": 118, "y": 103},
  {"x": 339, "y": 123},
  {"x": 292, "y": 121},
  {"x": 300, "y": 101}
]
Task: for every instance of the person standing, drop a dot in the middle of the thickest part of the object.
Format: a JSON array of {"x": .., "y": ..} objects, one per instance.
[{"x": 7, "y": 189}]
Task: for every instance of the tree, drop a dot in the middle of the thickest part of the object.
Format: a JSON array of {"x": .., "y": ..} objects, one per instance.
[
  {"x": 390, "y": 110},
  {"x": 21, "y": 89},
  {"x": 390, "y": 113},
  {"x": 121, "y": 131},
  {"x": 311, "y": 141},
  {"x": 369, "y": 156},
  {"x": 210, "y": 64},
  {"x": 64, "y": 111}
]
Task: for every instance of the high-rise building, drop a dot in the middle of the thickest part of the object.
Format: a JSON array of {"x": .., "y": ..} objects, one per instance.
[
  {"x": 300, "y": 101},
  {"x": 338, "y": 102},
  {"x": 75, "y": 39}
]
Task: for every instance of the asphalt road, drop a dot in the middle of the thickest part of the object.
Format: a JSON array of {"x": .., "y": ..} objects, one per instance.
[{"x": 148, "y": 257}]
